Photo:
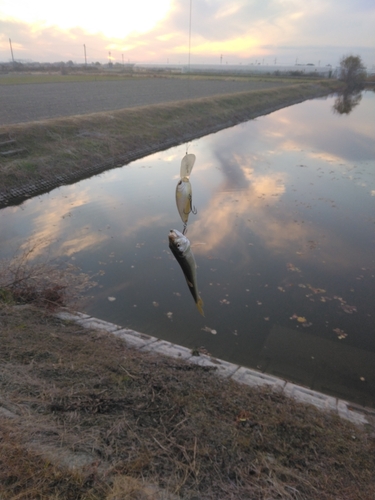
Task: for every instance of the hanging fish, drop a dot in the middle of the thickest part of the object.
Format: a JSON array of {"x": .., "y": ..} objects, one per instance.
[
  {"x": 184, "y": 199},
  {"x": 180, "y": 247},
  {"x": 187, "y": 164}
]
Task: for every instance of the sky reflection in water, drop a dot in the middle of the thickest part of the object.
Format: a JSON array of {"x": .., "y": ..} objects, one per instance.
[{"x": 283, "y": 238}]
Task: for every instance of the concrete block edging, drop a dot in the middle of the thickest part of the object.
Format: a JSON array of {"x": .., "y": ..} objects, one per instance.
[{"x": 225, "y": 369}]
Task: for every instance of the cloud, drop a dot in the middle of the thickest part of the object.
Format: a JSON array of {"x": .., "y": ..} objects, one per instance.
[{"x": 241, "y": 30}]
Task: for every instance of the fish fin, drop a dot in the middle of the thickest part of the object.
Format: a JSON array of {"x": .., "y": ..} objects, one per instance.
[{"x": 200, "y": 306}]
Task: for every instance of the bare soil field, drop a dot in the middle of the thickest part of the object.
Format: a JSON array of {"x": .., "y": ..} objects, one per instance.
[{"x": 33, "y": 102}]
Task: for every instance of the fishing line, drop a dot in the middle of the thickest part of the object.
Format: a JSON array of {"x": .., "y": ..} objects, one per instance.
[{"x": 188, "y": 82}]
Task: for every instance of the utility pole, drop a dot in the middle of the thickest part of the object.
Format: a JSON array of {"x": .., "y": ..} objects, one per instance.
[
  {"x": 122, "y": 55},
  {"x": 11, "y": 49},
  {"x": 84, "y": 49},
  {"x": 221, "y": 59}
]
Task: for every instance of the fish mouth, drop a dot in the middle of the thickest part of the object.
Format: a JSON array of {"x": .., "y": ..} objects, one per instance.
[{"x": 172, "y": 235}]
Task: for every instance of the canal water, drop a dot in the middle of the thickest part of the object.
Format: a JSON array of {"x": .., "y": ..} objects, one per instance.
[{"x": 282, "y": 231}]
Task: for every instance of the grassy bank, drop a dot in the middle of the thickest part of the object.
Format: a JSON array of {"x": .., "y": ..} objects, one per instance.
[
  {"x": 84, "y": 417},
  {"x": 60, "y": 151}
]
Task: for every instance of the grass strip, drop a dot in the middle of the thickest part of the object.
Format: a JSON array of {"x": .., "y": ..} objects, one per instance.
[{"x": 85, "y": 417}]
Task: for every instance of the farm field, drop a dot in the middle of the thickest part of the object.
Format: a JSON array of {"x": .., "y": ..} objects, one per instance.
[{"x": 44, "y": 99}]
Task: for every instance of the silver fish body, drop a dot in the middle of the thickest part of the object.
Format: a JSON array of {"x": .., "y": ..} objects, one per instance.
[
  {"x": 184, "y": 198},
  {"x": 180, "y": 247}
]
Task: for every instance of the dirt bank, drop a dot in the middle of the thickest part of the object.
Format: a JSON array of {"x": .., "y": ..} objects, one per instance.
[
  {"x": 60, "y": 151},
  {"x": 82, "y": 416}
]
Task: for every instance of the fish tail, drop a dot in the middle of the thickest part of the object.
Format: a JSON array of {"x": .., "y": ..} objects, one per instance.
[{"x": 200, "y": 306}]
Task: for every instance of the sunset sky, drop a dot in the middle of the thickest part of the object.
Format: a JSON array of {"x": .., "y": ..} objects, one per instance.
[{"x": 157, "y": 31}]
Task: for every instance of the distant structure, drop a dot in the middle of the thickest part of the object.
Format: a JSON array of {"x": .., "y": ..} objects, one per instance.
[{"x": 241, "y": 69}]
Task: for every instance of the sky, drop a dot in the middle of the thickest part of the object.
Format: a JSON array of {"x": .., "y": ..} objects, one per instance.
[{"x": 269, "y": 32}]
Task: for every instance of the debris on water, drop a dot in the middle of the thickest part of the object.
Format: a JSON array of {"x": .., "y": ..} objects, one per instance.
[
  {"x": 266, "y": 318},
  {"x": 224, "y": 301},
  {"x": 340, "y": 333},
  {"x": 111, "y": 299},
  {"x": 169, "y": 315},
  {"x": 348, "y": 309},
  {"x": 155, "y": 304},
  {"x": 300, "y": 319},
  {"x": 281, "y": 289},
  {"x": 209, "y": 330},
  {"x": 293, "y": 268},
  {"x": 316, "y": 290}
]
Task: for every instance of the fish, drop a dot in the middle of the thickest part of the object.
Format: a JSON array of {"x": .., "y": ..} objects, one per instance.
[
  {"x": 184, "y": 199},
  {"x": 187, "y": 164},
  {"x": 180, "y": 247}
]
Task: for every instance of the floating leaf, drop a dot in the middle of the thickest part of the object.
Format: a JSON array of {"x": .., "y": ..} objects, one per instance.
[
  {"x": 224, "y": 301},
  {"x": 348, "y": 309},
  {"x": 111, "y": 299},
  {"x": 293, "y": 268},
  {"x": 316, "y": 290},
  {"x": 209, "y": 330},
  {"x": 340, "y": 333},
  {"x": 301, "y": 319}
]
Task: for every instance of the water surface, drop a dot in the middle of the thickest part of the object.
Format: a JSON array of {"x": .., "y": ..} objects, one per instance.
[{"x": 283, "y": 238}]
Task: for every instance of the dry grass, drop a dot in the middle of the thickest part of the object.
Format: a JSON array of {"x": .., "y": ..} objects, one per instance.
[
  {"x": 26, "y": 280},
  {"x": 85, "y": 417},
  {"x": 81, "y": 145}
]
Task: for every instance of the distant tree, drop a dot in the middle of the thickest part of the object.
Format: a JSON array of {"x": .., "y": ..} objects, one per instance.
[{"x": 352, "y": 71}]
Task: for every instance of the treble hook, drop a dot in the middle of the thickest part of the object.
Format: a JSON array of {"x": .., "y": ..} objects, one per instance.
[{"x": 184, "y": 231}]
